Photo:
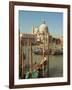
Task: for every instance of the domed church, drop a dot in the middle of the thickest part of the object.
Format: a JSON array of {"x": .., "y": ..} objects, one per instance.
[{"x": 41, "y": 32}]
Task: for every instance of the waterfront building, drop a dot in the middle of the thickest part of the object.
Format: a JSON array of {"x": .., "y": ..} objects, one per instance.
[{"x": 41, "y": 32}]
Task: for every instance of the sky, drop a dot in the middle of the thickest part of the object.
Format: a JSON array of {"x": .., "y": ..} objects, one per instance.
[{"x": 54, "y": 21}]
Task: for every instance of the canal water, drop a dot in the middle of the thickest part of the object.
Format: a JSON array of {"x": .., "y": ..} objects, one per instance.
[
  {"x": 55, "y": 63},
  {"x": 56, "y": 66}
]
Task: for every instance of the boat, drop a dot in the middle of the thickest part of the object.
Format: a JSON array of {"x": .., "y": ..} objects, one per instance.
[
  {"x": 39, "y": 51},
  {"x": 57, "y": 52},
  {"x": 37, "y": 71}
]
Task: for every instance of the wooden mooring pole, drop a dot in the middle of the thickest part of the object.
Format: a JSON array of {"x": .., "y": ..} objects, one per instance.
[{"x": 30, "y": 59}]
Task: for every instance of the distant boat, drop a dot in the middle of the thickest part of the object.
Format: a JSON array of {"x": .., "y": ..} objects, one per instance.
[
  {"x": 39, "y": 51},
  {"x": 57, "y": 52}
]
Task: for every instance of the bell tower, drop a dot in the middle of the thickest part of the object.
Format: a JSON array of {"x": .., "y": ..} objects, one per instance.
[{"x": 33, "y": 29}]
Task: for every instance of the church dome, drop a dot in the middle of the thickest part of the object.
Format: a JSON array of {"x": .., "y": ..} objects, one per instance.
[{"x": 43, "y": 29}]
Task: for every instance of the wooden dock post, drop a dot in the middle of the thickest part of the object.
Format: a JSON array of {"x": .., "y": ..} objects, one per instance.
[
  {"x": 22, "y": 63},
  {"x": 22, "y": 57},
  {"x": 30, "y": 60}
]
